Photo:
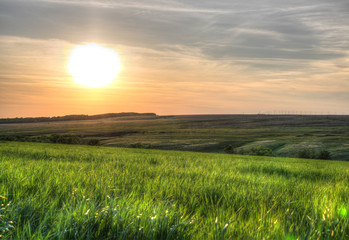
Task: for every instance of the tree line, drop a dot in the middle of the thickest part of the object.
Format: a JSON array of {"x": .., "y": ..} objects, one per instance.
[
  {"x": 73, "y": 117},
  {"x": 264, "y": 151}
]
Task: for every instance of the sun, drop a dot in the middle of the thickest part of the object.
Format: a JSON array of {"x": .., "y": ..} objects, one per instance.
[{"x": 94, "y": 66}]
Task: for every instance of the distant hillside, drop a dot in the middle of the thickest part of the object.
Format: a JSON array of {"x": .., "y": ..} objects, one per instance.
[
  {"x": 72, "y": 117},
  {"x": 272, "y": 135}
]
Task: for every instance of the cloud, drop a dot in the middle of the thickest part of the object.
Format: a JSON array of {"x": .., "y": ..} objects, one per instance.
[
  {"x": 258, "y": 29},
  {"x": 162, "y": 6},
  {"x": 257, "y": 48}
]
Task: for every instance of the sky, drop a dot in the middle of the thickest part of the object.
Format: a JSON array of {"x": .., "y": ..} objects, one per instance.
[{"x": 177, "y": 56}]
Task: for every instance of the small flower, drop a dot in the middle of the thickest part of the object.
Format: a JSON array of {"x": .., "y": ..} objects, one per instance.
[
  {"x": 87, "y": 212},
  {"x": 153, "y": 218},
  {"x": 225, "y": 226},
  {"x": 216, "y": 222}
]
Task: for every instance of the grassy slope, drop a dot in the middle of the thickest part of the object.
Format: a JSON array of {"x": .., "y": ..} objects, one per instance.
[
  {"x": 77, "y": 192},
  {"x": 285, "y": 135}
]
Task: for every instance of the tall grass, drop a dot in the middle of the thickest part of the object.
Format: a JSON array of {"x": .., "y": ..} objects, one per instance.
[{"x": 52, "y": 191}]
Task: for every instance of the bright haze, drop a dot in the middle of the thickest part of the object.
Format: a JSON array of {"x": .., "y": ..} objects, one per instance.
[{"x": 177, "y": 57}]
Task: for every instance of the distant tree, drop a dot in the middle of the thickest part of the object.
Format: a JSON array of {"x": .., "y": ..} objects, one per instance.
[
  {"x": 303, "y": 154},
  {"x": 306, "y": 153},
  {"x": 261, "y": 151},
  {"x": 93, "y": 142},
  {"x": 312, "y": 154},
  {"x": 54, "y": 138},
  {"x": 141, "y": 145},
  {"x": 229, "y": 149},
  {"x": 324, "y": 154},
  {"x": 66, "y": 139}
]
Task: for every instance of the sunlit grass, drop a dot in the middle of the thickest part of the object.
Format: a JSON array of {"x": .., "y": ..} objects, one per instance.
[
  {"x": 343, "y": 212},
  {"x": 77, "y": 192}
]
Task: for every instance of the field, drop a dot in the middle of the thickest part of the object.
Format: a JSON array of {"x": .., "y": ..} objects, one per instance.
[
  {"x": 284, "y": 135},
  {"x": 56, "y": 191}
]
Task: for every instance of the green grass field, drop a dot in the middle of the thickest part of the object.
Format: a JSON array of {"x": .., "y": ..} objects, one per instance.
[{"x": 50, "y": 191}]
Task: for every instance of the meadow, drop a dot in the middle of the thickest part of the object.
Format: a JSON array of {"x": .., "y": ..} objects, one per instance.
[
  {"x": 57, "y": 191},
  {"x": 284, "y": 135}
]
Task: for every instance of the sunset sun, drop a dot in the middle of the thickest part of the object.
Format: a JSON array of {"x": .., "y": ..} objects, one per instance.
[{"x": 92, "y": 65}]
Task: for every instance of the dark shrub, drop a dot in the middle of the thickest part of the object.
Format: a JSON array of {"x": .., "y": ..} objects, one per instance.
[
  {"x": 54, "y": 138},
  {"x": 324, "y": 154},
  {"x": 261, "y": 151},
  {"x": 307, "y": 153},
  {"x": 312, "y": 154},
  {"x": 93, "y": 142},
  {"x": 141, "y": 145},
  {"x": 229, "y": 149},
  {"x": 66, "y": 139}
]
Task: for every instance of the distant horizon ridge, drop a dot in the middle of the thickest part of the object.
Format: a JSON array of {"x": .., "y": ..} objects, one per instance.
[{"x": 72, "y": 117}]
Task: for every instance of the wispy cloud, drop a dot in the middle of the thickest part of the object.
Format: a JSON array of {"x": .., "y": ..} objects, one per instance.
[
  {"x": 211, "y": 52},
  {"x": 163, "y": 6}
]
